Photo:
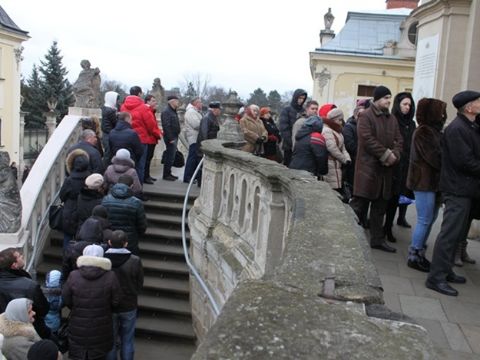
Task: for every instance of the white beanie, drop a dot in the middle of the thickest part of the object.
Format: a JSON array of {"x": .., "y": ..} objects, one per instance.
[
  {"x": 94, "y": 181},
  {"x": 93, "y": 250},
  {"x": 122, "y": 154}
]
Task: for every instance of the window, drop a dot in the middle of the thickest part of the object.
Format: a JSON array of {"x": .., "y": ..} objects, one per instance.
[
  {"x": 365, "y": 90},
  {"x": 412, "y": 33}
]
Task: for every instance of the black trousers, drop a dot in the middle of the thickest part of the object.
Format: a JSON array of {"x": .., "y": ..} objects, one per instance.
[
  {"x": 378, "y": 208},
  {"x": 454, "y": 228},
  {"x": 150, "y": 151}
]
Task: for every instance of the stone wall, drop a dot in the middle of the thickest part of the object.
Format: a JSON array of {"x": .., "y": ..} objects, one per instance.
[{"x": 289, "y": 267}]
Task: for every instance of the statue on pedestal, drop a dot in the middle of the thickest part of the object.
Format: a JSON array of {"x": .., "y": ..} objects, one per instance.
[
  {"x": 159, "y": 92},
  {"x": 328, "y": 18},
  {"x": 10, "y": 202},
  {"x": 87, "y": 87}
]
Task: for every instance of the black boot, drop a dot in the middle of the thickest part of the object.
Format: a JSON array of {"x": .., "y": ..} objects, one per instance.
[
  {"x": 388, "y": 234},
  {"x": 417, "y": 261}
]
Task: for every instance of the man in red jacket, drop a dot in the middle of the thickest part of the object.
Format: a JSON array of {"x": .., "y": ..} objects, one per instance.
[{"x": 143, "y": 123}]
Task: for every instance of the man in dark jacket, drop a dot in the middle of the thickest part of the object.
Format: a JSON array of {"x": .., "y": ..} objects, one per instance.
[
  {"x": 460, "y": 185},
  {"x": 128, "y": 269},
  {"x": 379, "y": 147},
  {"x": 91, "y": 292},
  {"x": 126, "y": 212},
  {"x": 109, "y": 120},
  {"x": 87, "y": 143},
  {"x": 171, "y": 131},
  {"x": 123, "y": 137},
  {"x": 16, "y": 283},
  {"x": 288, "y": 116}
]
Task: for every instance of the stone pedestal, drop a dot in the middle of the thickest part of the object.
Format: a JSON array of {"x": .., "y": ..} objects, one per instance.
[
  {"x": 230, "y": 130},
  {"x": 51, "y": 122},
  {"x": 326, "y": 36},
  {"x": 78, "y": 111}
]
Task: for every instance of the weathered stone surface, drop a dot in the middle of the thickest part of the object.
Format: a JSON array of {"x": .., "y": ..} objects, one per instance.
[
  {"x": 10, "y": 203},
  {"x": 87, "y": 87},
  {"x": 263, "y": 320},
  {"x": 289, "y": 267}
]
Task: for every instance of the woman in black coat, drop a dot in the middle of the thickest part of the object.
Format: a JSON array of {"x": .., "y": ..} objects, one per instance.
[
  {"x": 271, "y": 146},
  {"x": 77, "y": 166},
  {"x": 90, "y": 196},
  {"x": 91, "y": 292},
  {"x": 403, "y": 110}
]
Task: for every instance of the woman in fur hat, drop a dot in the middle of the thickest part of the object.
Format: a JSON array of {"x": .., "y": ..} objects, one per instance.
[
  {"x": 77, "y": 167},
  {"x": 253, "y": 130},
  {"x": 17, "y": 329},
  {"x": 424, "y": 176}
]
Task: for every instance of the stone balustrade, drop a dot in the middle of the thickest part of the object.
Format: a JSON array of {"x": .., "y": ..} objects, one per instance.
[
  {"x": 40, "y": 188},
  {"x": 289, "y": 267}
]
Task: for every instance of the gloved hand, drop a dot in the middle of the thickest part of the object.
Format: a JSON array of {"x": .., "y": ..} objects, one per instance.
[
  {"x": 260, "y": 139},
  {"x": 272, "y": 138}
]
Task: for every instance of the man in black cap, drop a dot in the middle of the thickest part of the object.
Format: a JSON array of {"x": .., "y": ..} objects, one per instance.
[
  {"x": 379, "y": 146},
  {"x": 460, "y": 185},
  {"x": 209, "y": 127},
  {"x": 171, "y": 130}
]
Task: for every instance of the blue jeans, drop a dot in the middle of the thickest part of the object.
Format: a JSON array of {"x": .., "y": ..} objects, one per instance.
[
  {"x": 191, "y": 164},
  {"x": 140, "y": 165},
  {"x": 427, "y": 211},
  {"x": 123, "y": 327},
  {"x": 169, "y": 157}
]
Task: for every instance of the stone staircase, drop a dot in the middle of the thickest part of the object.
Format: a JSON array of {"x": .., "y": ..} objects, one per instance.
[{"x": 164, "y": 324}]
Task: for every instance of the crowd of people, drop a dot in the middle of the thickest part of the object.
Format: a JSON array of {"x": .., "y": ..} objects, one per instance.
[{"x": 377, "y": 161}]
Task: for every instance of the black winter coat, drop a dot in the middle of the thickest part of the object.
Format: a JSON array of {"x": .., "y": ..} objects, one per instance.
[
  {"x": 270, "y": 147},
  {"x": 94, "y": 156},
  {"x": 170, "y": 124},
  {"x": 288, "y": 116},
  {"x": 69, "y": 195},
  {"x": 109, "y": 119},
  {"x": 126, "y": 212},
  {"x": 123, "y": 137},
  {"x": 91, "y": 292},
  {"x": 310, "y": 152},
  {"x": 209, "y": 128},
  {"x": 129, "y": 271},
  {"x": 86, "y": 201},
  {"x": 460, "y": 173},
  {"x": 16, "y": 284},
  {"x": 350, "y": 137}
]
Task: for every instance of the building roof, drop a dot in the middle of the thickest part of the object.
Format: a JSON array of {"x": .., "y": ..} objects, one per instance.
[
  {"x": 365, "y": 33},
  {"x": 7, "y": 23}
]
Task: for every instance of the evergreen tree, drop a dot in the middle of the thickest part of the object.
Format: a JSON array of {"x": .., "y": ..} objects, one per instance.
[
  {"x": 33, "y": 100},
  {"x": 189, "y": 94},
  {"x": 275, "y": 101},
  {"x": 258, "y": 97},
  {"x": 56, "y": 86}
]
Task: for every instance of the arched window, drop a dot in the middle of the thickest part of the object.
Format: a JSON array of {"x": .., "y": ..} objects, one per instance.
[{"x": 412, "y": 33}]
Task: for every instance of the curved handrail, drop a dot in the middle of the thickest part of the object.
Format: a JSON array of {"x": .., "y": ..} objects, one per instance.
[{"x": 192, "y": 268}]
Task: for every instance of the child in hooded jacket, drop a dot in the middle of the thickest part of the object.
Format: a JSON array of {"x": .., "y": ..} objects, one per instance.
[{"x": 53, "y": 293}]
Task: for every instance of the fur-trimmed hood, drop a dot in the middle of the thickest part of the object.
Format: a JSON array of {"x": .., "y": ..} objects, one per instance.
[
  {"x": 99, "y": 262},
  {"x": 10, "y": 328},
  {"x": 431, "y": 112},
  {"x": 71, "y": 159}
]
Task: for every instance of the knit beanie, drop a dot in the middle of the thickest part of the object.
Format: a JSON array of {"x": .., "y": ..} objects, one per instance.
[
  {"x": 93, "y": 250},
  {"x": 122, "y": 154},
  {"x": 94, "y": 181},
  {"x": 53, "y": 279},
  {"x": 334, "y": 113},
  {"x": 325, "y": 109},
  {"x": 100, "y": 211},
  {"x": 264, "y": 110},
  {"x": 380, "y": 92},
  {"x": 43, "y": 350}
]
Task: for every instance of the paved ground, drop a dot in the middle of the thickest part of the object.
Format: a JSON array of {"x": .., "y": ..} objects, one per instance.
[{"x": 453, "y": 323}]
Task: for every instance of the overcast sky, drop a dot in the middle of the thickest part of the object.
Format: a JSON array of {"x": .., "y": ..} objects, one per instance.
[{"x": 241, "y": 45}]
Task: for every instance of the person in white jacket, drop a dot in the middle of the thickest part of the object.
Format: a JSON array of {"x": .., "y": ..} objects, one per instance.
[
  {"x": 338, "y": 155},
  {"x": 193, "y": 116}
]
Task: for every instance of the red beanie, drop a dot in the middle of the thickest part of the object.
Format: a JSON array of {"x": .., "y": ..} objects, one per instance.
[
  {"x": 264, "y": 110},
  {"x": 325, "y": 109}
]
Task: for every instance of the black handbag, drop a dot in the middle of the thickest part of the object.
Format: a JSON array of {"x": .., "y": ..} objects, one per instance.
[
  {"x": 61, "y": 336},
  {"x": 55, "y": 217},
  {"x": 179, "y": 160}
]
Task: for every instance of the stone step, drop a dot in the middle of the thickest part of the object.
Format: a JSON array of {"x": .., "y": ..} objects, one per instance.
[
  {"x": 148, "y": 347},
  {"x": 151, "y": 247},
  {"x": 181, "y": 327},
  {"x": 154, "y": 232},
  {"x": 175, "y": 267},
  {"x": 155, "y": 283},
  {"x": 164, "y": 219},
  {"x": 165, "y": 205},
  {"x": 164, "y": 304}
]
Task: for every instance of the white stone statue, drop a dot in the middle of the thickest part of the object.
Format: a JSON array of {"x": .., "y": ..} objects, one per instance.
[{"x": 328, "y": 18}]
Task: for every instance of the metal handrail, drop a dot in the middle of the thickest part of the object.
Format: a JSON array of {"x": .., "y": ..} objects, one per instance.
[{"x": 202, "y": 283}]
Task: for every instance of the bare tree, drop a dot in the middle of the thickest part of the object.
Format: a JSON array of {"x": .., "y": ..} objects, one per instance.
[{"x": 197, "y": 83}]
